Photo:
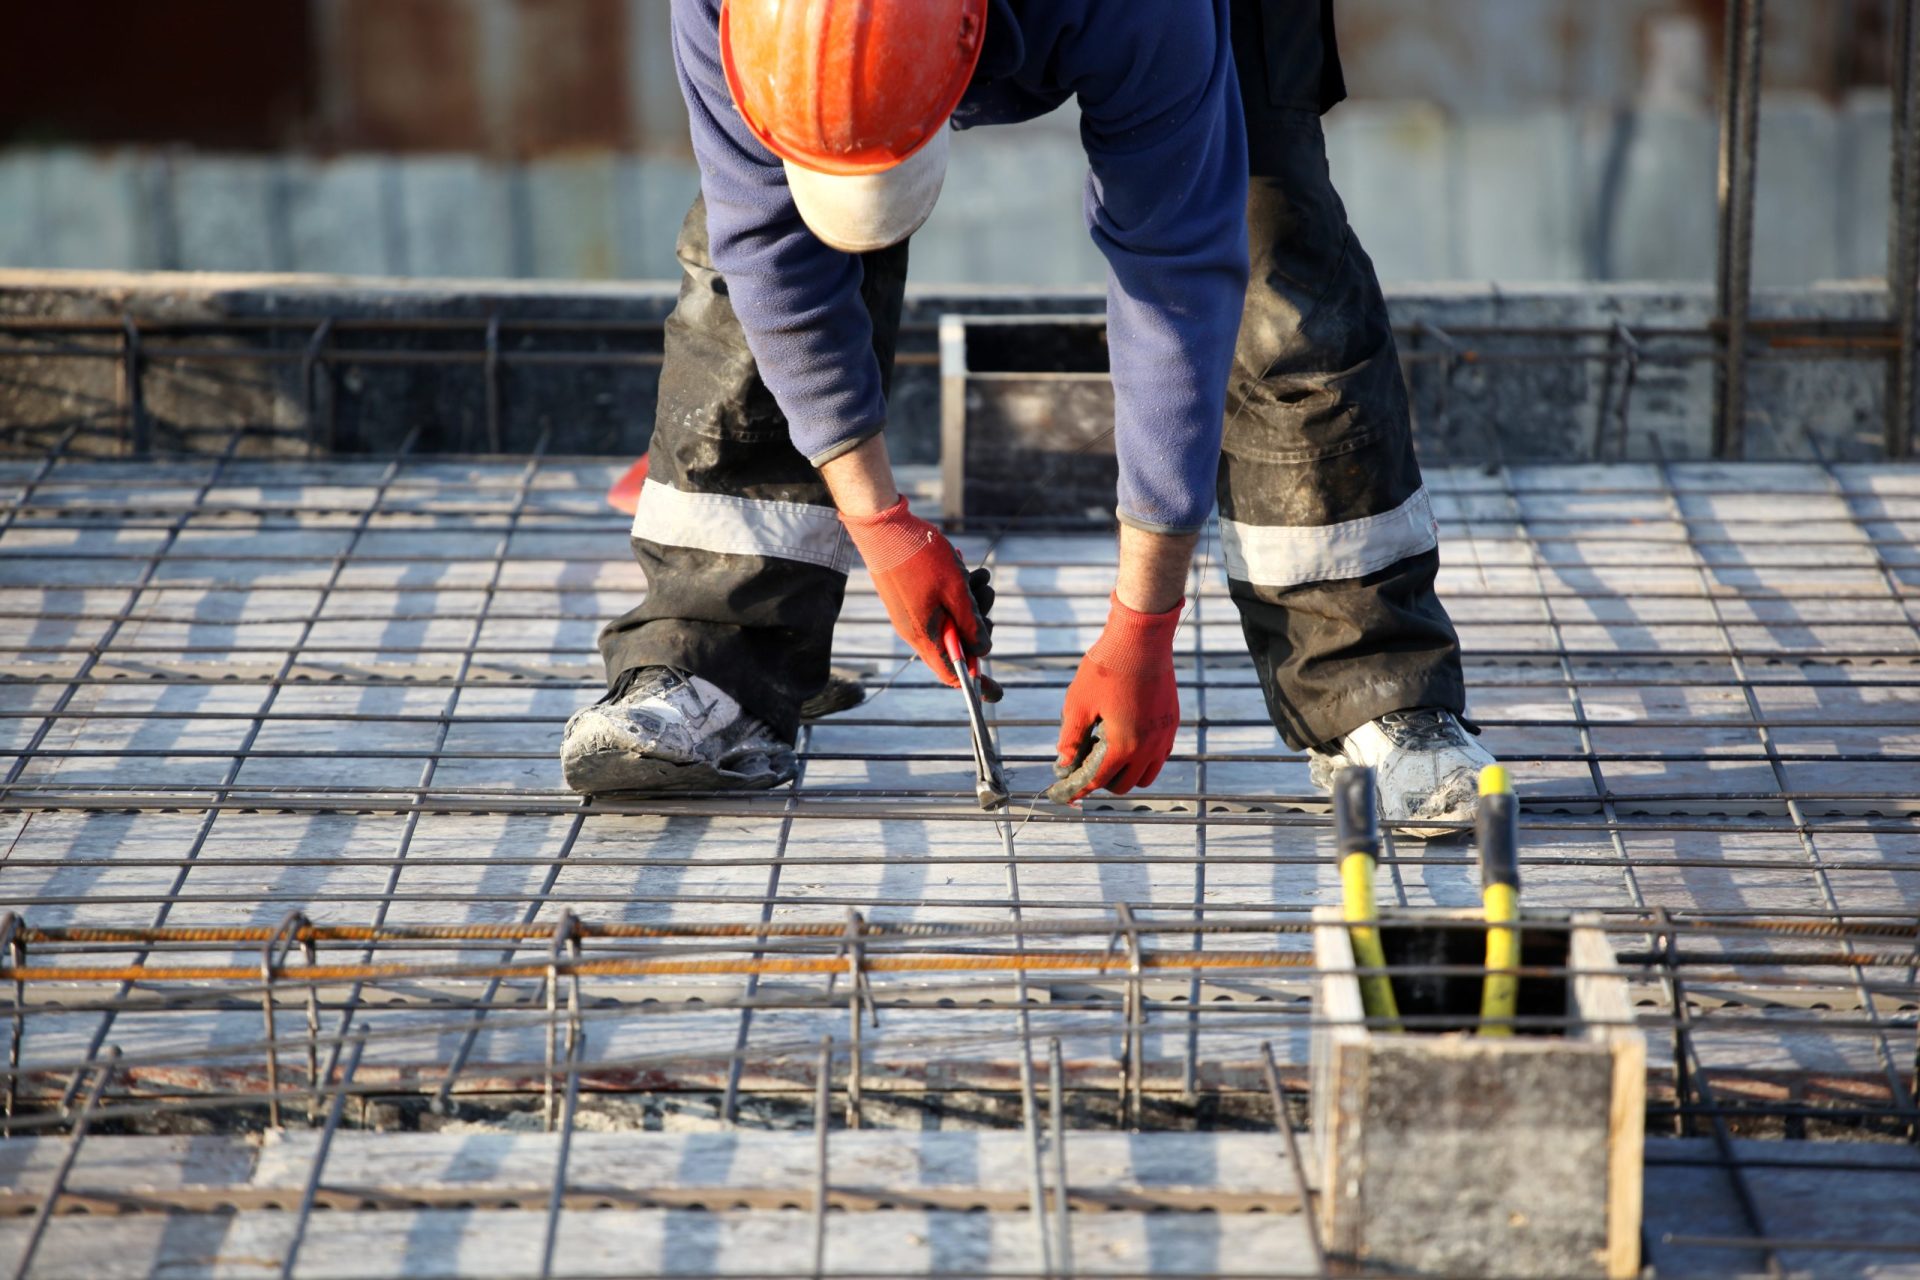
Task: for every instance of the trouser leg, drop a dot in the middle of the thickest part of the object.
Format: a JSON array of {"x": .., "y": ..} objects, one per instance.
[
  {"x": 1326, "y": 527},
  {"x": 745, "y": 559}
]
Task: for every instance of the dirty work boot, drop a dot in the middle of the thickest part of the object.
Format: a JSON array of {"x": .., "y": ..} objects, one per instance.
[
  {"x": 661, "y": 729},
  {"x": 1425, "y": 766},
  {"x": 842, "y": 692}
]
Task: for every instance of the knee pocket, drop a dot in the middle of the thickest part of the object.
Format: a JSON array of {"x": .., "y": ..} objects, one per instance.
[
  {"x": 710, "y": 388},
  {"x": 1293, "y": 430},
  {"x": 1299, "y": 241}
]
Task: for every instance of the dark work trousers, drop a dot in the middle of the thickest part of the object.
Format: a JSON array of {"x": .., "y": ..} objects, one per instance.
[
  {"x": 745, "y": 558},
  {"x": 1326, "y": 530}
]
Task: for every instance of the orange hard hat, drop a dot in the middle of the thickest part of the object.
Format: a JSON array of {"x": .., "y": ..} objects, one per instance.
[{"x": 849, "y": 86}]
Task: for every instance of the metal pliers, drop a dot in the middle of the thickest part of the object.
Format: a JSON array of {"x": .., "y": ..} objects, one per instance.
[{"x": 989, "y": 783}]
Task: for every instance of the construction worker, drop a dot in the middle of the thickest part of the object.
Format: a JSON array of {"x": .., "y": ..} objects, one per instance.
[{"x": 821, "y": 128}]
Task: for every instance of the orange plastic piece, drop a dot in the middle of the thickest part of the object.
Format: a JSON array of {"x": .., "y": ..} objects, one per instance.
[{"x": 625, "y": 494}]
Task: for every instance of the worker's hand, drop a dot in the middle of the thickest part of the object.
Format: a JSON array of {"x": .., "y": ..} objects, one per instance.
[
  {"x": 1123, "y": 707},
  {"x": 923, "y": 583}
]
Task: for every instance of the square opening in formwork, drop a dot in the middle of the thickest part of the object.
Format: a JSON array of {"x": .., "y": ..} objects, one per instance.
[
  {"x": 1026, "y": 419},
  {"x": 1444, "y": 1151}
]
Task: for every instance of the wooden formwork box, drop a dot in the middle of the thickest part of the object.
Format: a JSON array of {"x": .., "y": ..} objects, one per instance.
[{"x": 1463, "y": 1154}]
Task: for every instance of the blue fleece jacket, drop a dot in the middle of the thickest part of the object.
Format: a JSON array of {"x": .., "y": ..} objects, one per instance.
[{"x": 1165, "y": 201}]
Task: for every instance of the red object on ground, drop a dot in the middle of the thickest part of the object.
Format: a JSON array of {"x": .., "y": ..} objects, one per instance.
[{"x": 625, "y": 494}]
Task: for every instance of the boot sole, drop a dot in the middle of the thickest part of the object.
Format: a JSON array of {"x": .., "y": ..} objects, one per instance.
[
  {"x": 612, "y": 772},
  {"x": 843, "y": 692}
]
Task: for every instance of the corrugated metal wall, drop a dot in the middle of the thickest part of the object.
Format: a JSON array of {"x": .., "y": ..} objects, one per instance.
[
  {"x": 1536, "y": 140},
  {"x": 513, "y": 78},
  {"x": 1552, "y": 195}
]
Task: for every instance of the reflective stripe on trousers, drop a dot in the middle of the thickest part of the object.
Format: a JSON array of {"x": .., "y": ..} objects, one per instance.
[
  {"x": 742, "y": 526},
  {"x": 1294, "y": 555}
]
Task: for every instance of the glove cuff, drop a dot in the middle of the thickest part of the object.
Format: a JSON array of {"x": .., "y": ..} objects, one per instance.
[
  {"x": 888, "y": 539},
  {"x": 1135, "y": 642}
]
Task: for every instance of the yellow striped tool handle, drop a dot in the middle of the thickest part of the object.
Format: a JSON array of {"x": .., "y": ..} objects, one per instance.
[
  {"x": 1356, "y": 828},
  {"x": 1497, "y": 827}
]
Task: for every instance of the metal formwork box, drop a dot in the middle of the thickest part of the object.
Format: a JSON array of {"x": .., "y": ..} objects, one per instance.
[
  {"x": 1447, "y": 1152},
  {"x": 1026, "y": 418}
]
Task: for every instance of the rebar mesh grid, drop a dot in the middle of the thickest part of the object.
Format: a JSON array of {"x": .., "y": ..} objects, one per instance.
[{"x": 286, "y": 845}]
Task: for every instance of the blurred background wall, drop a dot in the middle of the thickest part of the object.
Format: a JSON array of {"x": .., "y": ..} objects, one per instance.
[{"x": 1513, "y": 140}]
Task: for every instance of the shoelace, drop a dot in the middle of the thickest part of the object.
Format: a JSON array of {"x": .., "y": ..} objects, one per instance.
[
  {"x": 629, "y": 683},
  {"x": 1422, "y": 730}
]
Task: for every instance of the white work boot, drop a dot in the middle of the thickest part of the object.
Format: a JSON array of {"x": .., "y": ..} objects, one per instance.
[
  {"x": 1424, "y": 766},
  {"x": 671, "y": 731}
]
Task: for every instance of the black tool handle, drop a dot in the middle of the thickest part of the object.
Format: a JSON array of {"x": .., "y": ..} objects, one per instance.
[
  {"x": 1356, "y": 815},
  {"x": 1497, "y": 831}
]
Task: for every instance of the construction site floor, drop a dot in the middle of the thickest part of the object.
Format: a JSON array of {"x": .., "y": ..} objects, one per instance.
[{"x": 259, "y": 714}]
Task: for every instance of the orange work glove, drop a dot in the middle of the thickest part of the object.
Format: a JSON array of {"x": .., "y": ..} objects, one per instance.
[
  {"x": 1123, "y": 707},
  {"x": 923, "y": 583}
]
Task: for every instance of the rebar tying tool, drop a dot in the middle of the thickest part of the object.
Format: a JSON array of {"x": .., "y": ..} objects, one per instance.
[{"x": 989, "y": 783}]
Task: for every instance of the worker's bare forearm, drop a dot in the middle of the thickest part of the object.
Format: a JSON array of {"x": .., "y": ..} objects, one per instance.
[
  {"x": 1153, "y": 569},
  {"x": 861, "y": 479}
]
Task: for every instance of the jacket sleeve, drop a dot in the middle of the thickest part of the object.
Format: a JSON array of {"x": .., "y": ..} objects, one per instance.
[
  {"x": 1166, "y": 203},
  {"x": 797, "y": 299}
]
